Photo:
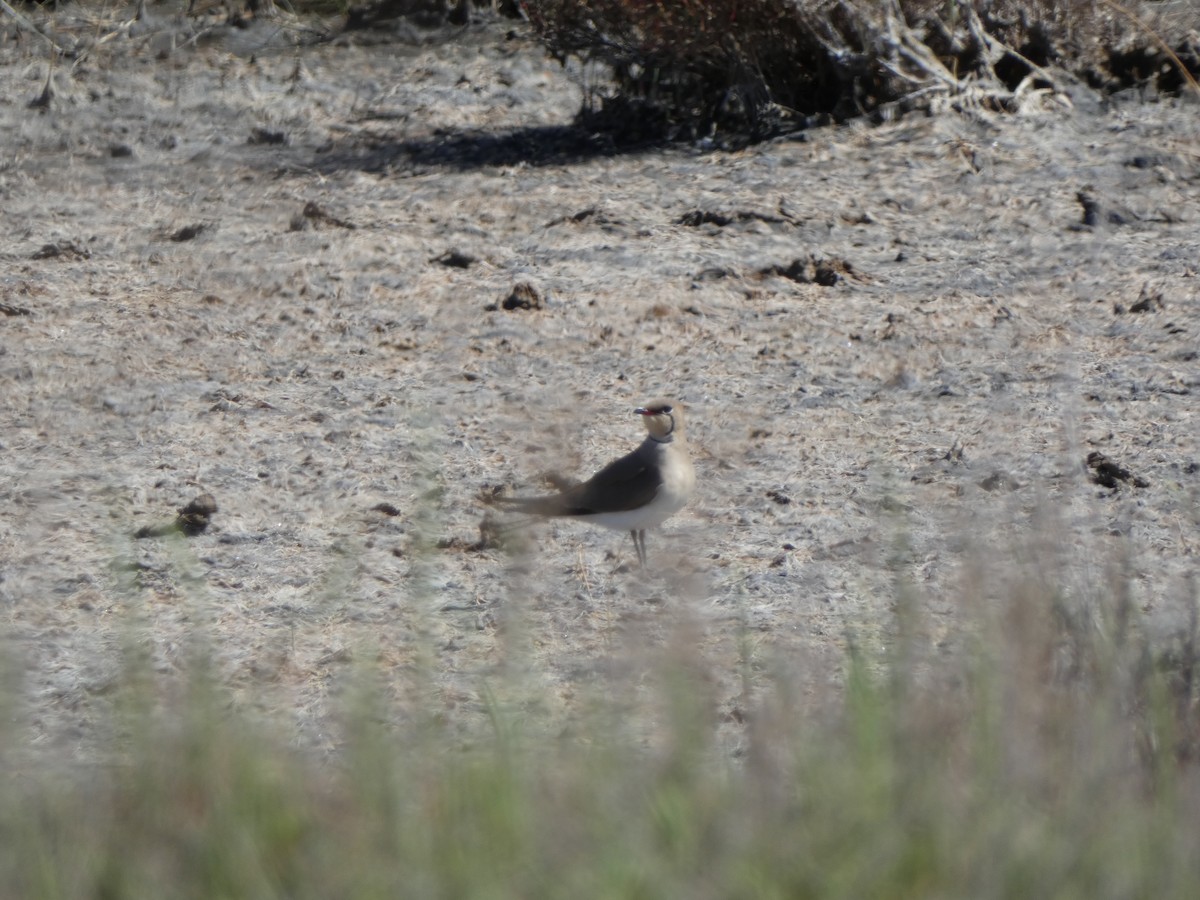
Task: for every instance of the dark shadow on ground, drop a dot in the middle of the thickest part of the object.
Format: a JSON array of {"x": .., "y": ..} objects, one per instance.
[{"x": 543, "y": 145}]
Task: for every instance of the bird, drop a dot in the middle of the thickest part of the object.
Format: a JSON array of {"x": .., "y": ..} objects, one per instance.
[{"x": 639, "y": 491}]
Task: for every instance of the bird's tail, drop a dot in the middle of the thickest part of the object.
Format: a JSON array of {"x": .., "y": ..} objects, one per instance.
[
  {"x": 533, "y": 506},
  {"x": 500, "y": 532},
  {"x": 528, "y": 510}
]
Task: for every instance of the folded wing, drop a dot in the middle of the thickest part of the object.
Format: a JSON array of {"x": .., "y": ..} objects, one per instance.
[{"x": 626, "y": 484}]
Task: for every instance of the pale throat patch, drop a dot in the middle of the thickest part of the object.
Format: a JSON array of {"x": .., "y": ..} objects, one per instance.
[{"x": 667, "y": 438}]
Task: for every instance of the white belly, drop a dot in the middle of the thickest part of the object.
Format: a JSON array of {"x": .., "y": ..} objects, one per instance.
[{"x": 676, "y": 491}]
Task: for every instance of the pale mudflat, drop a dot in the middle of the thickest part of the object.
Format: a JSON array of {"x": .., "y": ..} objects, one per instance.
[{"x": 227, "y": 275}]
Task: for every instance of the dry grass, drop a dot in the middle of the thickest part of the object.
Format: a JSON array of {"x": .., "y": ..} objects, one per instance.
[
  {"x": 751, "y": 66},
  {"x": 1054, "y": 753}
]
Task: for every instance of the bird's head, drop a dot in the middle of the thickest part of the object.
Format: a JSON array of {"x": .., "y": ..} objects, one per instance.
[{"x": 663, "y": 418}]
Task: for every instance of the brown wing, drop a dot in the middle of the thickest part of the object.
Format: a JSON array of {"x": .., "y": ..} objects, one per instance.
[{"x": 624, "y": 484}]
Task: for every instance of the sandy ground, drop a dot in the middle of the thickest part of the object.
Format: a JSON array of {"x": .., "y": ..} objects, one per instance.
[{"x": 921, "y": 421}]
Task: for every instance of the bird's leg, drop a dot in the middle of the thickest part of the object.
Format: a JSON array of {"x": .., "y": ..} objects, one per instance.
[{"x": 639, "y": 544}]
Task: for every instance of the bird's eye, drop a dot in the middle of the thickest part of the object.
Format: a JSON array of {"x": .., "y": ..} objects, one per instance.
[{"x": 664, "y": 409}]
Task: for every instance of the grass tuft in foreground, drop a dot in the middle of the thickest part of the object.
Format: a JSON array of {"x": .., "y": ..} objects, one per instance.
[{"x": 1051, "y": 753}]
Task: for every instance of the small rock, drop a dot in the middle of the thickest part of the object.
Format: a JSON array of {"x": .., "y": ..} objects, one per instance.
[
  {"x": 188, "y": 233},
  {"x": 191, "y": 521},
  {"x": 63, "y": 249},
  {"x": 1103, "y": 212},
  {"x": 315, "y": 216},
  {"x": 698, "y": 217},
  {"x": 455, "y": 259},
  {"x": 1109, "y": 474},
  {"x": 194, "y": 517},
  {"x": 811, "y": 270},
  {"x": 266, "y": 136},
  {"x": 1149, "y": 300},
  {"x": 523, "y": 296},
  {"x": 999, "y": 481}
]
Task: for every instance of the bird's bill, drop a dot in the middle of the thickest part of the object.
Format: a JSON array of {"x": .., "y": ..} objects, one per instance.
[{"x": 656, "y": 410}]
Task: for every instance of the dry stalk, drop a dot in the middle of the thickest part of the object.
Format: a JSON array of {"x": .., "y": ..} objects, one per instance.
[
  {"x": 1133, "y": 19},
  {"x": 29, "y": 26}
]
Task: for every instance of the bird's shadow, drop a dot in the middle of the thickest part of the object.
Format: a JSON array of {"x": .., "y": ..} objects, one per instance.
[{"x": 539, "y": 145}]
